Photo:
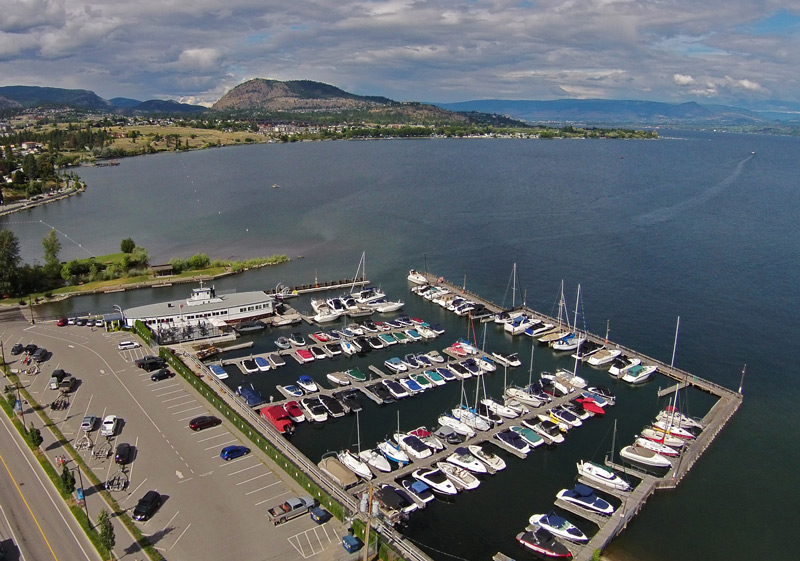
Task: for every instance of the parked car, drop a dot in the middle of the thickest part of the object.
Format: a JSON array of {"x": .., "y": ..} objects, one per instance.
[
  {"x": 233, "y": 452},
  {"x": 30, "y": 348},
  {"x": 17, "y": 349},
  {"x": 70, "y": 321},
  {"x": 123, "y": 345},
  {"x": 204, "y": 422},
  {"x": 109, "y": 426},
  {"x": 99, "y": 323},
  {"x": 162, "y": 374},
  {"x": 150, "y": 363},
  {"x": 81, "y": 321},
  {"x": 147, "y": 505},
  {"x": 88, "y": 423},
  {"x": 67, "y": 384},
  {"x": 61, "y": 322},
  {"x": 55, "y": 378},
  {"x": 123, "y": 453},
  {"x": 40, "y": 355}
]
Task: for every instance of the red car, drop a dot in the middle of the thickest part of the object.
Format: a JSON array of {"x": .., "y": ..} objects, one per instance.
[{"x": 61, "y": 322}]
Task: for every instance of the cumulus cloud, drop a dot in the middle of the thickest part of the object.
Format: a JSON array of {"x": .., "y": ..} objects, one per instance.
[
  {"x": 437, "y": 50},
  {"x": 682, "y": 79}
]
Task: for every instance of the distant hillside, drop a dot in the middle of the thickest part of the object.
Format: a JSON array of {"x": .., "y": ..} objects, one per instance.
[
  {"x": 6, "y": 103},
  {"x": 608, "y": 111},
  {"x": 294, "y": 95},
  {"x": 124, "y": 102},
  {"x": 168, "y": 106},
  {"x": 35, "y": 96}
]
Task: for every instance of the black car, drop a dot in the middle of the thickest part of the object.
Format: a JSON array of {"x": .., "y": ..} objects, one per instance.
[
  {"x": 204, "y": 422},
  {"x": 150, "y": 363},
  {"x": 147, "y": 505},
  {"x": 17, "y": 349},
  {"x": 40, "y": 355},
  {"x": 123, "y": 453},
  {"x": 162, "y": 374},
  {"x": 30, "y": 349}
]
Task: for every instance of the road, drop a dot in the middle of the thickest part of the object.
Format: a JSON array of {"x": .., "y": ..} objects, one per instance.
[{"x": 33, "y": 514}]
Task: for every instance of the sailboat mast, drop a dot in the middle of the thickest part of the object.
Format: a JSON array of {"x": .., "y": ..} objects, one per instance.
[
  {"x": 358, "y": 434},
  {"x": 577, "y": 302},
  {"x": 514, "y": 286},
  {"x": 675, "y": 344}
]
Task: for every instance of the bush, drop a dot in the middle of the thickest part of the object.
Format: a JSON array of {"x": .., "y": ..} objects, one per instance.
[
  {"x": 68, "y": 478},
  {"x": 34, "y": 437}
]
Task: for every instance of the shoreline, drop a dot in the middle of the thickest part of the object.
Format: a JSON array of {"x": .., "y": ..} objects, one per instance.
[{"x": 7, "y": 210}]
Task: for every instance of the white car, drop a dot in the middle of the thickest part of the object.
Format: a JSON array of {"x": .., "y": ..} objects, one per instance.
[
  {"x": 123, "y": 345},
  {"x": 109, "y": 426}
]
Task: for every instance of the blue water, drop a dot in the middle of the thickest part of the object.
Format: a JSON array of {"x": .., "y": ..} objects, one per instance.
[{"x": 701, "y": 226}]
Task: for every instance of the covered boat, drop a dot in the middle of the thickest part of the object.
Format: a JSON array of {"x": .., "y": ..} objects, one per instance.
[
  {"x": 559, "y": 526},
  {"x": 585, "y": 497},
  {"x": 543, "y": 543}
]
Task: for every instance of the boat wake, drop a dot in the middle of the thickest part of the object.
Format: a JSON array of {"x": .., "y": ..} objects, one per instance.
[{"x": 664, "y": 214}]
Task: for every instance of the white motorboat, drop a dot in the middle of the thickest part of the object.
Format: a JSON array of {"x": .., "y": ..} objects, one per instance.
[
  {"x": 517, "y": 325},
  {"x": 307, "y": 384},
  {"x": 417, "y": 278},
  {"x": 561, "y": 415},
  {"x": 418, "y": 490},
  {"x": 507, "y": 359},
  {"x": 386, "y": 307},
  {"x": 463, "y": 458},
  {"x": 492, "y": 460},
  {"x": 638, "y": 373},
  {"x": 460, "y": 477},
  {"x": 513, "y": 441},
  {"x": 354, "y": 464},
  {"x": 428, "y": 438},
  {"x": 656, "y": 447},
  {"x": 348, "y": 348},
  {"x": 559, "y": 526},
  {"x": 393, "y": 452},
  {"x": 486, "y": 364},
  {"x": 546, "y": 416},
  {"x": 435, "y": 357},
  {"x": 622, "y": 364},
  {"x": 585, "y": 497},
  {"x": 395, "y": 364},
  {"x": 528, "y": 435},
  {"x": 570, "y": 379},
  {"x": 568, "y": 343},
  {"x": 436, "y": 480},
  {"x": 547, "y": 430},
  {"x": 523, "y": 396},
  {"x": 456, "y": 425},
  {"x": 678, "y": 419},
  {"x": 326, "y": 315},
  {"x": 338, "y": 378},
  {"x": 314, "y": 410},
  {"x": 516, "y": 406},
  {"x": 413, "y": 446},
  {"x": 603, "y": 356},
  {"x": 499, "y": 409},
  {"x": 602, "y": 475},
  {"x": 644, "y": 456},
  {"x": 375, "y": 459}
]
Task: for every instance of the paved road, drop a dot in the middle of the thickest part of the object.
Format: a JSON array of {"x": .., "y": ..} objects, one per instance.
[
  {"x": 33, "y": 514},
  {"x": 213, "y": 509}
]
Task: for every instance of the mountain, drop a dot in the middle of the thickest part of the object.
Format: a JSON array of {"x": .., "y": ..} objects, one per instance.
[
  {"x": 168, "y": 106},
  {"x": 609, "y": 111},
  {"x": 124, "y": 102},
  {"x": 36, "y": 96},
  {"x": 293, "y": 95}
]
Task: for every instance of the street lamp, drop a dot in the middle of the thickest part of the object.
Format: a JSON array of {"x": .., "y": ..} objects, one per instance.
[{"x": 81, "y": 496}]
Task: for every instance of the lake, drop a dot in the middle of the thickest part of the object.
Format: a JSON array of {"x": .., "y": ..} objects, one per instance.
[{"x": 697, "y": 225}]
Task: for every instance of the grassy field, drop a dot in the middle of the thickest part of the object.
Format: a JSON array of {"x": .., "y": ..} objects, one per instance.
[{"x": 196, "y": 138}]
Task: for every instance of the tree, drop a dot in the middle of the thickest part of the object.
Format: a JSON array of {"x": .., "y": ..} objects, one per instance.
[
  {"x": 35, "y": 437},
  {"x": 52, "y": 247},
  {"x": 106, "y": 530},
  {"x": 68, "y": 479},
  {"x": 9, "y": 263},
  {"x": 127, "y": 245}
]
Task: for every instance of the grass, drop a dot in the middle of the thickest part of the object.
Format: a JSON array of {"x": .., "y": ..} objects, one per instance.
[{"x": 197, "y": 138}]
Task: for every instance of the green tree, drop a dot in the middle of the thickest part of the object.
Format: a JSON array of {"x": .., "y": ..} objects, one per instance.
[
  {"x": 68, "y": 479},
  {"x": 52, "y": 247},
  {"x": 127, "y": 245},
  {"x": 199, "y": 261},
  {"x": 29, "y": 166},
  {"x": 35, "y": 437},
  {"x": 106, "y": 530},
  {"x": 9, "y": 263}
]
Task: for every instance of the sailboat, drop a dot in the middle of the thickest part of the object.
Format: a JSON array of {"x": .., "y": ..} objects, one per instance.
[
  {"x": 560, "y": 332},
  {"x": 602, "y": 475},
  {"x": 574, "y": 339},
  {"x": 354, "y": 462}
]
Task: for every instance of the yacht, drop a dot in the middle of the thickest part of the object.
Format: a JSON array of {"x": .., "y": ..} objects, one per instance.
[
  {"x": 249, "y": 366},
  {"x": 276, "y": 360},
  {"x": 644, "y": 456},
  {"x": 622, "y": 364},
  {"x": 395, "y": 389},
  {"x": 292, "y": 409},
  {"x": 559, "y": 527},
  {"x": 470, "y": 418},
  {"x": 334, "y": 407},
  {"x": 490, "y": 459},
  {"x": 603, "y": 356},
  {"x": 657, "y": 447},
  {"x": 523, "y": 396},
  {"x": 674, "y": 417},
  {"x": 585, "y": 497},
  {"x": 499, "y": 409},
  {"x": 413, "y": 446},
  {"x": 602, "y": 475},
  {"x": 354, "y": 464},
  {"x": 463, "y": 458},
  {"x": 542, "y": 543},
  {"x": 663, "y": 438},
  {"x": 393, "y": 453},
  {"x": 314, "y": 410},
  {"x": 460, "y": 477},
  {"x": 283, "y": 343},
  {"x": 375, "y": 459},
  {"x": 456, "y": 425},
  {"x": 436, "y": 480},
  {"x": 637, "y": 374},
  {"x": 672, "y": 430}
]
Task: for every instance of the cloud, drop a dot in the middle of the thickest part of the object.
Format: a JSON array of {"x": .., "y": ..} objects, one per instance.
[
  {"x": 682, "y": 79},
  {"x": 437, "y": 50}
]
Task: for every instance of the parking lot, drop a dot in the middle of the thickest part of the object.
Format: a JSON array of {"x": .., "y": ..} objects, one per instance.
[{"x": 213, "y": 508}]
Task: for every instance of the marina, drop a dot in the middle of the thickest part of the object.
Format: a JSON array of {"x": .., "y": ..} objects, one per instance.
[{"x": 608, "y": 527}]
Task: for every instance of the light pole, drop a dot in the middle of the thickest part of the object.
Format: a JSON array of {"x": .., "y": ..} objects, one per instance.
[{"x": 82, "y": 495}]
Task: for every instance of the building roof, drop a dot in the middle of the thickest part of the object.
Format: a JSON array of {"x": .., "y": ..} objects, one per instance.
[{"x": 178, "y": 307}]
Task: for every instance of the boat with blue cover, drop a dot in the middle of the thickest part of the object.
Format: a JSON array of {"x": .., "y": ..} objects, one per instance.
[
  {"x": 218, "y": 371},
  {"x": 585, "y": 497},
  {"x": 251, "y": 395},
  {"x": 559, "y": 526}
]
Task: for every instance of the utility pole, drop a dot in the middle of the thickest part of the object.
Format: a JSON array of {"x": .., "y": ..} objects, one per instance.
[
  {"x": 369, "y": 520},
  {"x": 83, "y": 492}
]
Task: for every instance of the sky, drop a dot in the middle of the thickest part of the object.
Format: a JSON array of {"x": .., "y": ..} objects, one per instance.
[{"x": 711, "y": 51}]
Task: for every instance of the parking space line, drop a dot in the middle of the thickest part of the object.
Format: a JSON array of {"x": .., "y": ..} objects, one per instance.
[
  {"x": 215, "y": 436},
  {"x": 179, "y": 537},
  {"x": 251, "y": 479},
  {"x": 167, "y": 393},
  {"x": 223, "y": 444},
  {"x": 273, "y": 498},
  {"x": 164, "y": 387},
  {"x": 172, "y": 398},
  {"x": 262, "y": 488},
  {"x": 182, "y": 404},
  {"x": 244, "y": 469},
  {"x": 186, "y": 411},
  {"x": 170, "y": 522},
  {"x": 132, "y": 493}
]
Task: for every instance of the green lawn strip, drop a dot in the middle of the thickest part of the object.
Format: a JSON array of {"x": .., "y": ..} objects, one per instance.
[
  {"x": 48, "y": 468},
  {"x": 252, "y": 434}
]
